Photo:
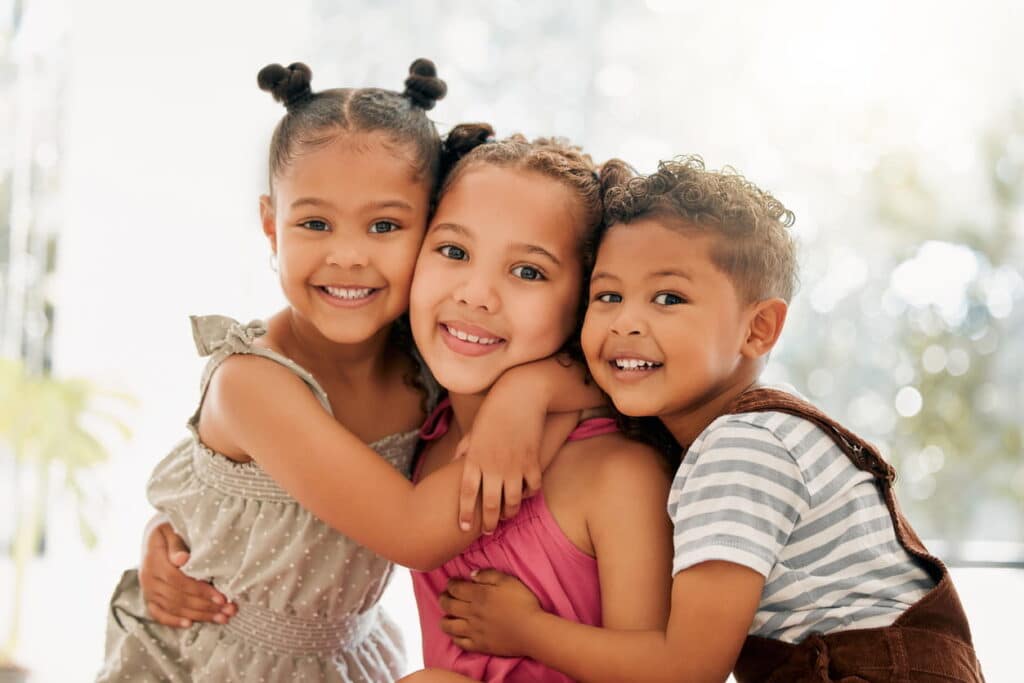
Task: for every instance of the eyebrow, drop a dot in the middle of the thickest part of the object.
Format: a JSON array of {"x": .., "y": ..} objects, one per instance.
[
  {"x": 671, "y": 272},
  {"x": 602, "y": 275},
  {"x": 378, "y": 205},
  {"x": 539, "y": 250}
]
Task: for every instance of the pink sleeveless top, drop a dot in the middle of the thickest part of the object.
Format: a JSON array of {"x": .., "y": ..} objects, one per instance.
[{"x": 530, "y": 546}]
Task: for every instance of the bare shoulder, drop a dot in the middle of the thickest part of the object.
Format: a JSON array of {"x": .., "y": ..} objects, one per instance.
[
  {"x": 621, "y": 466},
  {"x": 241, "y": 387}
]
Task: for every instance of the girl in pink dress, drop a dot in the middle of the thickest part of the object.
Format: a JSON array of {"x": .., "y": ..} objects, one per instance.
[{"x": 498, "y": 284}]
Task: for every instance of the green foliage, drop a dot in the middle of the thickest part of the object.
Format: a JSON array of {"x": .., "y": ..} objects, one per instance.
[
  {"x": 48, "y": 426},
  {"x": 946, "y": 339}
]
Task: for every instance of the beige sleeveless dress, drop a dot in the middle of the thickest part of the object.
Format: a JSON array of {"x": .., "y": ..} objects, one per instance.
[{"x": 307, "y": 595}]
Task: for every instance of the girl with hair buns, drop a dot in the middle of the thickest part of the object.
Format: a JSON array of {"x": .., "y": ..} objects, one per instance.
[
  {"x": 307, "y": 422},
  {"x": 497, "y": 285}
]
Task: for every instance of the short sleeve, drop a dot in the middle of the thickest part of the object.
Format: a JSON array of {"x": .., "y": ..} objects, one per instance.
[{"x": 737, "y": 497}]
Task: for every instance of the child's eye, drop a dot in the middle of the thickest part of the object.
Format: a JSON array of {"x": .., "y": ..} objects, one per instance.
[
  {"x": 453, "y": 252},
  {"x": 316, "y": 225},
  {"x": 609, "y": 298},
  {"x": 528, "y": 273},
  {"x": 669, "y": 299},
  {"x": 383, "y": 226}
]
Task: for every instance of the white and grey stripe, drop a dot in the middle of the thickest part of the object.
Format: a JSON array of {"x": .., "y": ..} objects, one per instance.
[{"x": 771, "y": 491}]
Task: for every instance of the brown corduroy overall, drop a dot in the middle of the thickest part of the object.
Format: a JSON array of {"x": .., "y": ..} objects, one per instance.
[{"x": 930, "y": 642}]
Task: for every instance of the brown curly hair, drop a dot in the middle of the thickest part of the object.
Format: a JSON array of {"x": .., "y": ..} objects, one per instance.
[
  {"x": 469, "y": 144},
  {"x": 754, "y": 246}
]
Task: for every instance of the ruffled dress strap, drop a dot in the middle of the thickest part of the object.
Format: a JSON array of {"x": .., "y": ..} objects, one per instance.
[{"x": 220, "y": 337}]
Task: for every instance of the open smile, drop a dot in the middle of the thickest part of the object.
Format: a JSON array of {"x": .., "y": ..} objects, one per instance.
[
  {"x": 631, "y": 369},
  {"x": 469, "y": 340},
  {"x": 347, "y": 296}
]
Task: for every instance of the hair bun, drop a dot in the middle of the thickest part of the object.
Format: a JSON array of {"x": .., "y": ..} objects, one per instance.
[
  {"x": 289, "y": 86},
  {"x": 423, "y": 86},
  {"x": 461, "y": 140}
]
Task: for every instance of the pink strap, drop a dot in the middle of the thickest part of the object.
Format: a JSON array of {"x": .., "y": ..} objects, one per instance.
[
  {"x": 438, "y": 422},
  {"x": 595, "y": 426}
]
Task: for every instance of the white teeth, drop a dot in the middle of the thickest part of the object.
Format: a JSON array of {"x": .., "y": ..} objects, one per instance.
[
  {"x": 635, "y": 364},
  {"x": 341, "y": 293},
  {"x": 471, "y": 338}
]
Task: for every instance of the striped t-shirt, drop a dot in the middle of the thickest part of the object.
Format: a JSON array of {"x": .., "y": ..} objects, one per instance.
[{"x": 772, "y": 492}]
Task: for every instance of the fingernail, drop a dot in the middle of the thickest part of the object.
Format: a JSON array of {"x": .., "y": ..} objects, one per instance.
[
  {"x": 464, "y": 526},
  {"x": 217, "y": 600},
  {"x": 220, "y": 619},
  {"x": 473, "y": 573},
  {"x": 185, "y": 623}
]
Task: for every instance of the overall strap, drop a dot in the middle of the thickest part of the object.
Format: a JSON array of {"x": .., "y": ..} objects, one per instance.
[
  {"x": 936, "y": 620},
  {"x": 221, "y": 337},
  {"x": 864, "y": 455},
  {"x": 861, "y": 453}
]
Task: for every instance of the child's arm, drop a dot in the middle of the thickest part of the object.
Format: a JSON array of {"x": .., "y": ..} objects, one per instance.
[
  {"x": 713, "y": 605},
  {"x": 632, "y": 541},
  {"x": 172, "y": 598},
  {"x": 732, "y": 512},
  {"x": 503, "y": 449},
  {"x": 632, "y": 537},
  {"x": 271, "y": 416}
]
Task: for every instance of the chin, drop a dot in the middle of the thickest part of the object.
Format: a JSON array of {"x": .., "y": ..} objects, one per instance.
[
  {"x": 462, "y": 381},
  {"x": 634, "y": 405}
]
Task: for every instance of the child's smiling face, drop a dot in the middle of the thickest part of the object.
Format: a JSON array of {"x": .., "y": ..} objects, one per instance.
[
  {"x": 346, "y": 223},
  {"x": 497, "y": 282},
  {"x": 665, "y": 327}
]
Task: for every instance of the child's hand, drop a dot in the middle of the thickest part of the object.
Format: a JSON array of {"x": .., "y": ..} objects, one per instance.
[
  {"x": 502, "y": 451},
  {"x": 489, "y": 613},
  {"x": 172, "y": 598}
]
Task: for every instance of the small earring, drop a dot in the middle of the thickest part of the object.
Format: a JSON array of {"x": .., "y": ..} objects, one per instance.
[{"x": 273, "y": 261}]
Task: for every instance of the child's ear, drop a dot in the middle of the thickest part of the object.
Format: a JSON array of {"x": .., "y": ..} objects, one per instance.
[
  {"x": 766, "y": 320},
  {"x": 268, "y": 218}
]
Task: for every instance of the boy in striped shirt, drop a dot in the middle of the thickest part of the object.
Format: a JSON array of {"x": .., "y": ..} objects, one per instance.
[{"x": 792, "y": 561}]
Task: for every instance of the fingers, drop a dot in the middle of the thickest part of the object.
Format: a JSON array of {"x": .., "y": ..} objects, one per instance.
[
  {"x": 513, "y": 496},
  {"x": 453, "y": 607},
  {"x": 180, "y": 606},
  {"x": 158, "y": 575},
  {"x": 468, "y": 494},
  {"x": 466, "y": 644},
  {"x": 177, "y": 551},
  {"x": 465, "y": 591},
  {"x": 532, "y": 476},
  {"x": 167, "y": 619},
  {"x": 462, "y": 448},
  {"x": 457, "y": 628},
  {"x": 491, "y": 504},
  {"x": 491, "y": 577}
]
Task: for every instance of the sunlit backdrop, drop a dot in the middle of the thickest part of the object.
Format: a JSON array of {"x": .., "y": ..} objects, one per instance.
[{"x": 133, "y": 153}]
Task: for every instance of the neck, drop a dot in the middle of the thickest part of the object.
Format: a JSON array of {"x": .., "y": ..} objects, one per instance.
[
  {"x": 687, "y": 423},
  {"x": 464, "y": 410},
  {"x": 350, "y": 363}
]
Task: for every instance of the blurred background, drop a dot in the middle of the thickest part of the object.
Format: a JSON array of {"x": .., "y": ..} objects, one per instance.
[{"x": 133, "y": 151}]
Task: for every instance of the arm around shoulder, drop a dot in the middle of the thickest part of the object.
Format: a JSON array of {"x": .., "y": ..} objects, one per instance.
[
  {"x": 632, "y": 536},
  {"x": 270, "y": 414}
]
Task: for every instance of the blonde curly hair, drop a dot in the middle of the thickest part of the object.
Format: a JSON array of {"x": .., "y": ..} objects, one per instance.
[{"x": 754, "y": 246}]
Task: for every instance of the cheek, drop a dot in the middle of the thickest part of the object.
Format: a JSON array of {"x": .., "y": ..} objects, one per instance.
[
  {"x": 551, "y": 316},
  {"x": 590, "y": 337}
]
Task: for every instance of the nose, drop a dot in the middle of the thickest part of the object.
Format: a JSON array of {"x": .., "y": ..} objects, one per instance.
[
  {"x": 628, "y": 322},
  {"x": 346, "y": 252},
  {"x": 478, "y": 292}
]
